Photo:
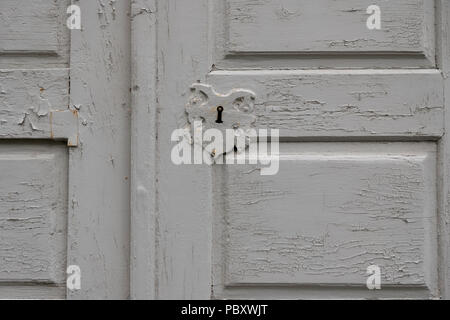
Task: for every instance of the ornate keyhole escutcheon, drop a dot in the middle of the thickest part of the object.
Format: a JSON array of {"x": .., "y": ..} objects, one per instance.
[{"x": 233, "y": 111}]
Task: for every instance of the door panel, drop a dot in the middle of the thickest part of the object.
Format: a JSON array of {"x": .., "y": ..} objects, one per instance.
[
  {"x": 99, "y": 167},
  {"x": 64, "y": 149},
  {"x": 29, "y": 26},
  {"x": 280, "y": 34},
  {"x": 361, "y": 180},
  {"x": 329, "y": 26},
  {"x": 332, "y": 210},
  {"x": 33, "y": 34},
  {"x": 33, "y": 218},
  {"x": 327, "y": 214},
  {"x": 364, "y": 103},
  {"x": 34, "y": 105},
  {"x": 34, "y": 100}
]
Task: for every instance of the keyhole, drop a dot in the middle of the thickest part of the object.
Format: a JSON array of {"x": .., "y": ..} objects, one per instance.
[{"x": 219, "y": 114}]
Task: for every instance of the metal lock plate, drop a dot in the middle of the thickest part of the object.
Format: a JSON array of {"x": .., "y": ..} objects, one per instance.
[{"x": 232, "y": 111}]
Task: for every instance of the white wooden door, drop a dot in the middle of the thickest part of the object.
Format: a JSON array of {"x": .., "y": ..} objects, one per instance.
[
  {"x": 64, "y": 132},
  {"x": 363, "y": 173}
]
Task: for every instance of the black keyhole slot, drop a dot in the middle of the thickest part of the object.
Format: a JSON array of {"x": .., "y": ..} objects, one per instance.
[{"x": 219, "y": 114}]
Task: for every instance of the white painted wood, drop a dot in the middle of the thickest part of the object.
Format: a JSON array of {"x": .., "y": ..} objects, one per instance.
[
  {"x": 32, "y": 292},
  {"x": 33, "y": 34},
  {"x": 281, "y": 26},
  {"x": 33, "y": 215},
  {"x": 226, "y": 232},
  {"x": 443, "y": 22},
  {"x": 99, "y": 169},
  {"x": 340, "y": 35},
  {"x": 34, "y": 105},
  {"x": 34, "y": 109},
  {"x": 362, "y": 103},
  {"x": 64, "y": 203},
  {"x": 143, "y": 147},
  {"x": 184, "y": 219},
  {"x": 332, "y": 210},
  {"x": 29, "y": 26}
]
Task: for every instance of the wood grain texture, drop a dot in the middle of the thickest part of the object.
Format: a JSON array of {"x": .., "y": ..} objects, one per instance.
[
  {"x": 396, "y": 183},
  {"x": 34, "y": 104},
  {"x": 33, "y": 217},
  {"x": 143, "y": 150},
  {"x": 33, "y": 33},
  {"x": 332, "y": 210},
  {"x": 330, "y": 26},
  {"x": 99, "y": 170},
  {"x": 184, "y": 231},
  {"x": 33, "y": 292},
  {"x": 281, "y": 58},
  {"x": 28, "y": 26},
  {"x": 34, "y": 109},
  {"x": 343, "y": 103},
  {"x": 443, "y": 59}
]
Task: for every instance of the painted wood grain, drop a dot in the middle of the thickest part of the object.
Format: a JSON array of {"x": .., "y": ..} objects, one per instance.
[
  {"x": 99, "y": 169},
  {"x": 33, "y": 216},
  {"x": 34, "y": 104},
  {"x": 33, "y": 292},
  {"x": 329, "y": 26},
  {"x": 33, "y": 34},
  {"x": 28, "y": 26},
  {"x": 143, "y": 165},
  {"x": 34, "y": 109},
  {"x": 332, "y": 210},
  {"x": 183, "y": 228},
  {"x": 328, "y": 103},
  {"x": 443, "y": 55},
  {"x": 395, "y": 182}
]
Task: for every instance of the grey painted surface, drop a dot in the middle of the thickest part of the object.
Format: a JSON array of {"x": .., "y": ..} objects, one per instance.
[
  {"x": 321, "y": 34},
  {"x": 34, "y": 105},
  {"x": 184, "y": 198},
  {"x": 33, "y": 34},
  {"x": 143, "y": 150},
  {"x": 33, "y": 218},
  {"x": 331, "y": 211},
  {"x": 34, "y": 109},
  {"x": 99, "y": 170},
  {"x": 29, "y": 26},
  {"x": 64, "y": 203},
  {"x": 363, "y": 172},
  {"x": 343, "y": 103},
  {"x": 364, "y": 154},
  {"x": 329, "y": 26},
  {"x": 443, "y": 50}
]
